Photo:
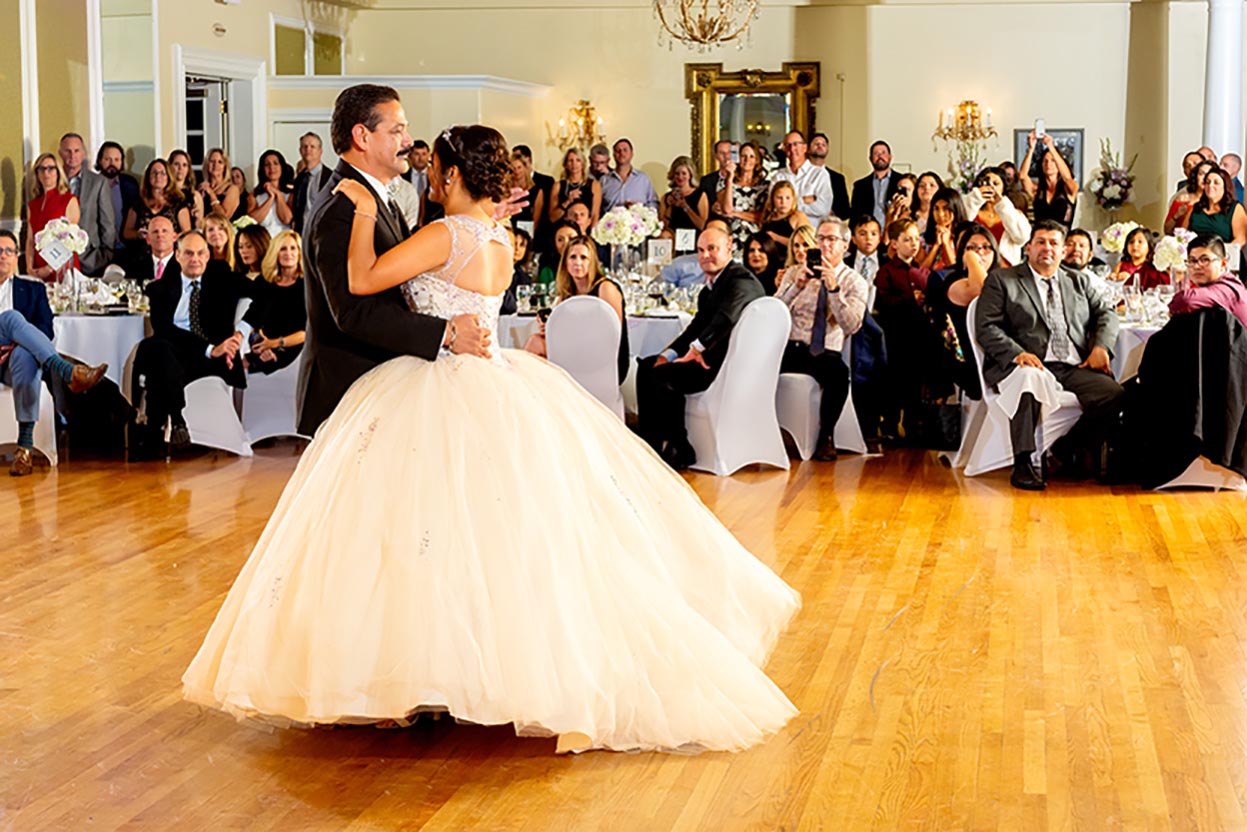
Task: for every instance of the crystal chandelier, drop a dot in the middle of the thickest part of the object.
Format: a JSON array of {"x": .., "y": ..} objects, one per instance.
[{"x": 705, "y": 23}]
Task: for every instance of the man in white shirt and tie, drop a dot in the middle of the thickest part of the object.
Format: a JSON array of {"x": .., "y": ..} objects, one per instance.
[
  {"x": 810, "y": 181},
  {"x": 160, "y": 239},
  {"x": 866, "y": 258}
]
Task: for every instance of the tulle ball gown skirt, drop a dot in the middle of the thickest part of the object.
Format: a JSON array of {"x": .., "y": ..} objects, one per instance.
[{"x": 483, "y": 537}]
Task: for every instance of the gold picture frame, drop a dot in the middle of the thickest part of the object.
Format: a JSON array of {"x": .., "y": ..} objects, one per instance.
[{"x": 704, "y": 84}]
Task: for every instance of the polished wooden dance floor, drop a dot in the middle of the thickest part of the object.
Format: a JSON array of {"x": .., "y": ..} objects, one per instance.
[{"x": 968, "y": 657}]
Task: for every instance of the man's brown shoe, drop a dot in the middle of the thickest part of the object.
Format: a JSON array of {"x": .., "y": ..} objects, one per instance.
[
  {"x": 22, "y": 465},
  {"x": 83, "y": 378},
  {"x": 826, "y": 451}
]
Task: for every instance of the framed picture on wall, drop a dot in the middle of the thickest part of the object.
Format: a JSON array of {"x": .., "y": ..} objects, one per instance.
[{"x": 1068, "y": 141}]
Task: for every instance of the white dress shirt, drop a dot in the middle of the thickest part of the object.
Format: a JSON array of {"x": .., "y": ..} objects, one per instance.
[
  {"x": 182, "y": 315},
  {"x": 809, "y": 180},
  {"x": 382, "y": 191},
  {"x": 1041, "y": 284},
  {"x": 159, "y": 264},
  {"x": 6, "y": 295},
  {"x": 313, "y": 188}
]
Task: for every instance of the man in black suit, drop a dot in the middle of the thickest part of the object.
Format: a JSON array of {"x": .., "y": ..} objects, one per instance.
[
  {"x": 692, "y": 361},
  {"x": 819, "y": 147},
  {"x": 193, "y": 314},
  {"x": 871, "y": 194},
  {"x": 348, "y": 335},
  {"x": 161, "y": 237},
  {"x": 1039, "y": 315},
  {"x": 123, "y": 189},
  {"x": 309, "y": 184}
]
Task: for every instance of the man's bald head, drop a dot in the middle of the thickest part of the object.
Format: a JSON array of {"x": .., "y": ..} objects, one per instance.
[
  {"x": 160, "y": 236},
  {"x": 714, "y": 249}
]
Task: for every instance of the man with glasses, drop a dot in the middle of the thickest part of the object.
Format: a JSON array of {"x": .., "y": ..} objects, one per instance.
[
  {"x": 1037, "y": 322},
  {"x": 827, "y": 305},
  {"x": 26, "y": 350},
  {"x": 808, "y": 180},
  {"x": 1208, "y": 281}
]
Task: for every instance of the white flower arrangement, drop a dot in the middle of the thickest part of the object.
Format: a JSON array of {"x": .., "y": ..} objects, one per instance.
[
  {"x": 1113, "y": 238},
  {"x": 64, "y": 232},
  {"x": 622, "y": 226},
  {"x": 1169, "y": 254}
]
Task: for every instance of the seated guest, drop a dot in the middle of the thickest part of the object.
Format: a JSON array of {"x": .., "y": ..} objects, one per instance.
[
  {"x": 158, "y": 260},
  {"x": 743, "y": 200},
  {"x": 1013, "y": 188},
  {"x": 781, "y": 215},
  {"x": 1232, "y": 163},
  {"x": 901, "y": 206},
  {"x": 521, "y": 252},
  {"x": 123, "y": 189},
  {"x": 827, "y": 307},
  {"x": 278, "y": 314},
  {"x": 1080, "y": 251},
  {"x": 159, "y": 197},
  {"x": 939, "y": 249},
  {"x": 26, "y": 351},
  {"x": 1037, "y": 317},
  {"x": 576, "y": 186},
  {"x": 51, "y": 200},
  {"x": 902, "y": 284},
  {"x": 1184, "y": 200},
  {"x": 764, "y": 258},
  {"x": 691, "y": 362},
  {"x": 578, "y": 215},
  {"x": 810, "y": 182},
  {"x": 273, "y": 194},
  {"x": 564, "y": 233},
  {"x": 581, "y": 274},
  {"x": 950, "y": 299},
  {"x": 987, "y": 205},
  {"x": 928, "y": 185},
  {"x": 1209, "y": 281},
  {"x": 252, "y": 245},
  {"x": 218, "y": 189},
  {"x": 192, "y": 318},
  {"x": 1136, "y": 261},
  {"x": 220, "y": 235},
  {"x": 625, "y": 185},
  {"x": 183, "y": 176},
  {"x": 1217, "y": 211},
  {"x": 684, "y": 207},
  {"x": 865, "y": 258},
  {"x": 1055, "y": 196},
  {"x": 246, "y": 199}
]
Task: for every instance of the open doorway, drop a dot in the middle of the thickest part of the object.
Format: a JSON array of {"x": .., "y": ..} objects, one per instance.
[
  {"x": 207, "y": 117},
  {"x": 219, "y": 102}
]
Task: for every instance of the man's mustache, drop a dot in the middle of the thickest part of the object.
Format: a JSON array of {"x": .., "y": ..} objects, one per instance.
[{"x": 403, "y": 153}]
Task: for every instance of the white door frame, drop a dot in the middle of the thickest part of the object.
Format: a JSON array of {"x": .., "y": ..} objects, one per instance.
[{"x": 188, "y": 60}]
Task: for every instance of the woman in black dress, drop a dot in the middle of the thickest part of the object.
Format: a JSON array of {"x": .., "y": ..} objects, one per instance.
[{"x": 278, "y": 314}]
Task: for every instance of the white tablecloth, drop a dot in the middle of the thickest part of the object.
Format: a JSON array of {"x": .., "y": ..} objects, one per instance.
[
  {"x": 1131, "y": 339},
  {"x": 647, "y": 335},
  {"x": 95, "y": 339}
]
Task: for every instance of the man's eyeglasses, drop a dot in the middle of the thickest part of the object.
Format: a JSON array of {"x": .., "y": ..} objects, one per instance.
[
  {"x": 8, "y": 252},
  {"x": 1201, "y": 261},
  {"x": 826, "y": 238},
  {"x": 794, "y": 144}
]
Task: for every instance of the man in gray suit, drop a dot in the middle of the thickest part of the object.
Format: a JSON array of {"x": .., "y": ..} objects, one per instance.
[
  {"x": 1041, "y": 315},
  {"x": 95, "y": 201}
]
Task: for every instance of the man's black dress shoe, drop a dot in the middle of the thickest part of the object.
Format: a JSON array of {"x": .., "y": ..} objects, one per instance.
[
  {"x": 179, "y": 437},
  {"x": 1026, "y": 477},
  {"x": 679, "y": 455}
]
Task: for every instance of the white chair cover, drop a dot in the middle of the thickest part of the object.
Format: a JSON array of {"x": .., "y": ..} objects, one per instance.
[
  {"x": 45, "y": 427},
  {"x": 733, "y": 422},
  {"x": 211, "y": 418},
  {"x": 1203, "y": 473},
  {"x": 270, "y": 403},
  {"x": 582, "y": 337},
  {"x": 797, "y": 400},
  {"x": 990, "y": 448}
]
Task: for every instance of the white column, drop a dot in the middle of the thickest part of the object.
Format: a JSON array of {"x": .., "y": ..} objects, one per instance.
[{"x": 1223, "y": 77}]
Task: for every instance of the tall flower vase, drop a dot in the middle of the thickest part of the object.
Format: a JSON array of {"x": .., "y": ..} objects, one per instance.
[{"x": 625, "y": 260}]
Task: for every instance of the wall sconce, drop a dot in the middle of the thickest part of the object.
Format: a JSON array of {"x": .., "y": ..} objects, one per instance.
[{"x": 581, "y": 127}]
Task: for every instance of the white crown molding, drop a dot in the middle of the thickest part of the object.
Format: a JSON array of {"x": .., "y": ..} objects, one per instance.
[
  {"x": 30, "y": 80},
  {"x": 129, "y": 86},
  {"x": 491, "y": 83}
]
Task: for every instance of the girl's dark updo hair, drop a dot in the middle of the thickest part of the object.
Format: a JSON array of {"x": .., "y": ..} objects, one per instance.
[{"x": 482, "y": 157}]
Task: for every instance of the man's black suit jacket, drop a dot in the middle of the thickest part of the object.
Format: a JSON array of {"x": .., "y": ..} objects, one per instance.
[
  {"x": 841, "y": 206},
  {"x": 718, "y": 309},
  {"x": 143, "y": 269},
  {"x": 348, "y": 335},
  {"x": 863, "y": 202},
  {"x": 219, "y": 293},
  {"x": 303, "y": 185}
]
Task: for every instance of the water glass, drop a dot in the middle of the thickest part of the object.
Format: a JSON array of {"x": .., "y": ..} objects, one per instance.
[{"x": 524, "y": 298}]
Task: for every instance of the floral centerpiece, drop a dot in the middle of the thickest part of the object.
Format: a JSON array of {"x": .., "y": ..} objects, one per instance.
[
  {"x": 622, "y": 228},
  {"x": 1114, "y": 183},
  {"x": 965, "y": 165},
  {"x": 59, "y": 241},
  {"x": 1113, "y": 238},
  {"x": 1170, "y": 253}
]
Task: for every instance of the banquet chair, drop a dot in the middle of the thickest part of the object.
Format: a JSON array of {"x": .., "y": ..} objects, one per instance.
[
  {"x": 582, "y": 337},
  {"x": 45, "y": 427},
  {"x": 797, "y": 400},
  {"x": 990, "y": 448},
  {"x": 270, "y": 403},
  {"x": 1204, "y": 473},
  {"x": 733, "y": 423}
]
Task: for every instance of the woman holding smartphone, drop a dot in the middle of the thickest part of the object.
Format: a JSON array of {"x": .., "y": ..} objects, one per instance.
[{"x": 987, "y": 205}]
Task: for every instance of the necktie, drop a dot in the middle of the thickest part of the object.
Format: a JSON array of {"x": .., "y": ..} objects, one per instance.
[
  {"x": 1056, "y": 322},
  {"x": 196, "y": 327},
  {"x": 160, "y": 269},
  {"x": 868, "y": 269},
  {"x": 818, "y": 334}
]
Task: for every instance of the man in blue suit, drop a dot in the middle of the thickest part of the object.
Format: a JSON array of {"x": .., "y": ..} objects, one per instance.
[{"x": 26, "y": 350}]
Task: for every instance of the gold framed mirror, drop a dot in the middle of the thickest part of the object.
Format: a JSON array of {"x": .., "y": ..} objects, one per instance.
[{"x": 748, "y": 105}]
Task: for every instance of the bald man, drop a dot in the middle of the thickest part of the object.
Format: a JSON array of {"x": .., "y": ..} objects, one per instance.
[{"x": 693, "y": 359}]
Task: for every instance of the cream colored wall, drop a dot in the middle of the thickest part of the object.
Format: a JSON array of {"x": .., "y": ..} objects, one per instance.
[
  {"x": 835, "y": 37},
  {"x": 64, "y": 102},
  {"x": 608, "y": 55},
  {"x": 12, "y": 160}
]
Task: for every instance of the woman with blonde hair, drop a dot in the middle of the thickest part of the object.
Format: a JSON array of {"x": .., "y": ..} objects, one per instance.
[
  {"x": 802, "y": 241},
  {"x": 580, "y": 273},
  {"x": 576, "y": 186},
  {"x": 684, "y": 206},
  {"x": 278, "y": 315},
  {"x": 50, "y": 199},
  {"x": 781, "y": 217},
  {"x": 160, "y": 196},
  {"x": 218, "y": 188},
  {"x": 219, "y": 232}
]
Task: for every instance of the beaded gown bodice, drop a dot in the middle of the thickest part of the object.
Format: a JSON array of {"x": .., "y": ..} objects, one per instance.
[{"x": 435, "y": 293}]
